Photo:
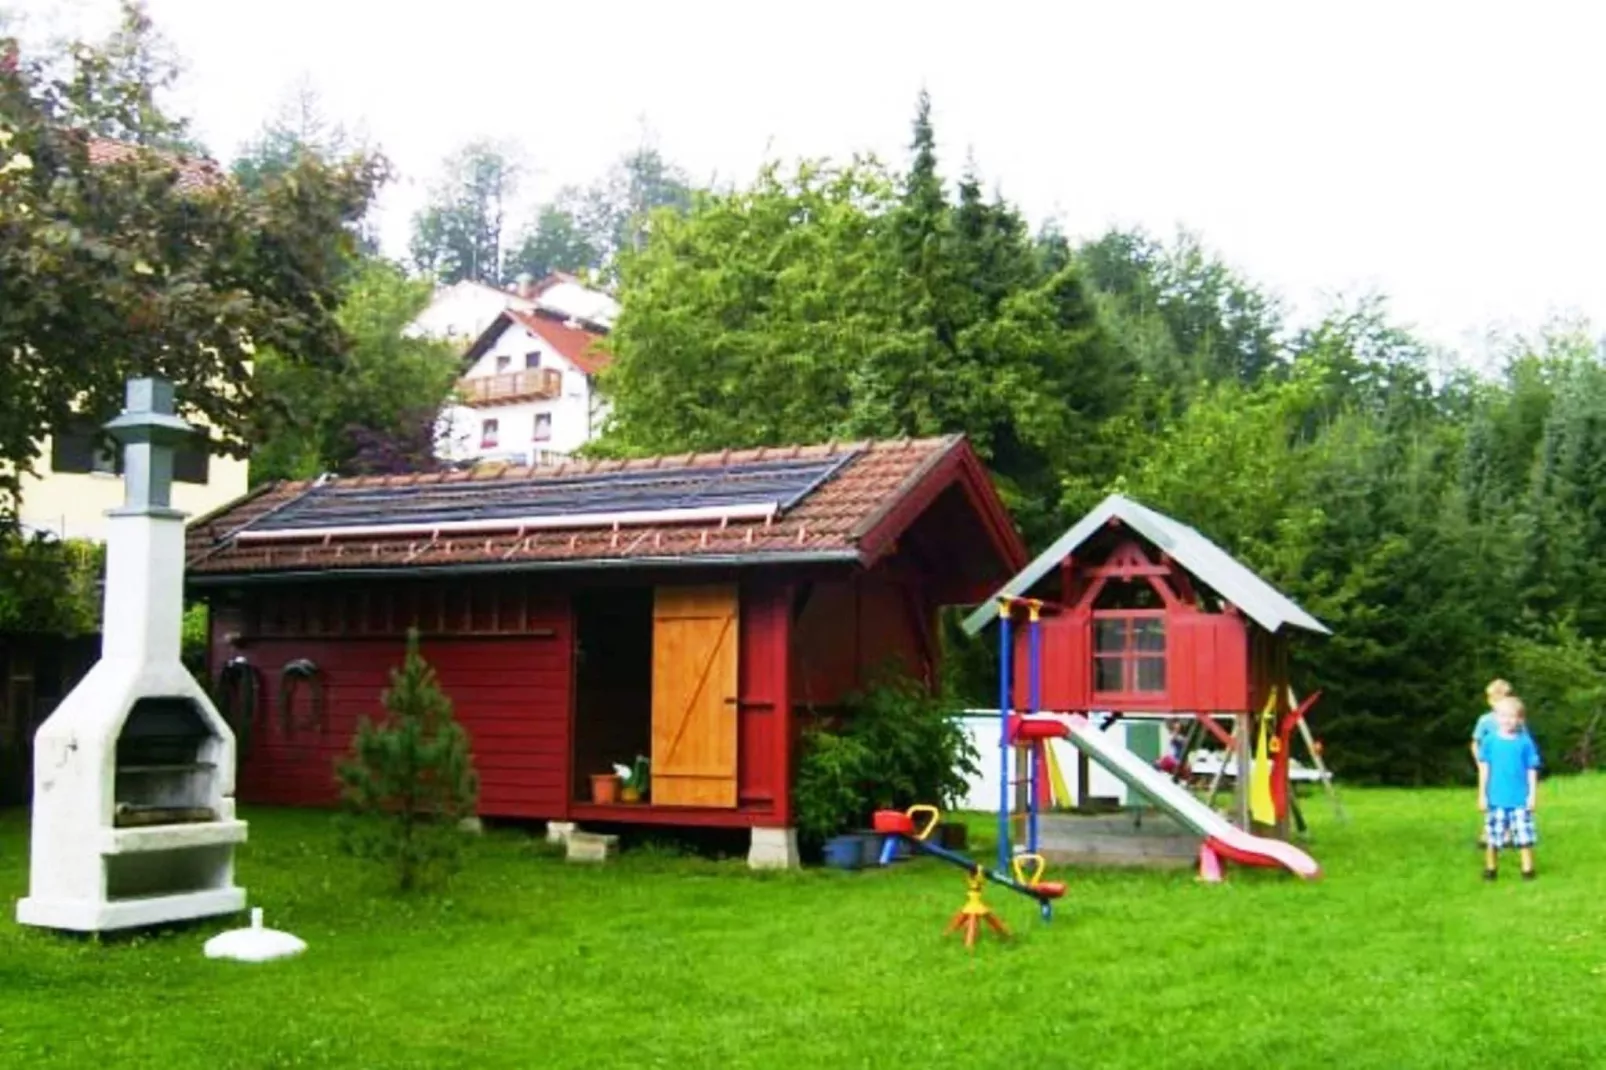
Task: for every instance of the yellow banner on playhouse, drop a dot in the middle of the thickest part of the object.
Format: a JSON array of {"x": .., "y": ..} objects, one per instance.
[{"x": 1261, "y": 806}]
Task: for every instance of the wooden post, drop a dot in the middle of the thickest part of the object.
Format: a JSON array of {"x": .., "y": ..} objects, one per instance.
[
  {"x": 1241, "y": 785},
  {"x": 1279, "y": 711},
  {"x": 1084, "y": 770}
]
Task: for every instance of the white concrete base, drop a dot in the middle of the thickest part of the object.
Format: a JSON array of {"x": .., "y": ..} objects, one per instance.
[
  {"x": 471, "y": 825},
  {"x": 560, "y": 831},
  {"x": 590, "y": 847},
  {"x": 88, "y": 916},
  {"x": 773, "y": 849},
  {"x": 255, "y": 944}
]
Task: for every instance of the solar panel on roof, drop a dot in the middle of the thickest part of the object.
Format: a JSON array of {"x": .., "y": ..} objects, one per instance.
[{"x": 675, "y": 493}]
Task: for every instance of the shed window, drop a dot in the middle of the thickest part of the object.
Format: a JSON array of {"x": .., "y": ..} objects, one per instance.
[{"x": 1129, "y": 652}]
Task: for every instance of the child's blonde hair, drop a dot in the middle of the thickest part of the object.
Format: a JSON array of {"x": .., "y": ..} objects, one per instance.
[
  {"x": 1513, "y": 704},
  {"x": 1497, "y": 690}
]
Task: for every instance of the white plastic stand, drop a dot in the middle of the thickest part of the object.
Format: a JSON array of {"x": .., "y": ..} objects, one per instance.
[{"x": 255, "y": 944}]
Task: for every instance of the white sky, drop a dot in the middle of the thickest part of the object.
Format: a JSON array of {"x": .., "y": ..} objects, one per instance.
[{"x": 1443, "y": 153}]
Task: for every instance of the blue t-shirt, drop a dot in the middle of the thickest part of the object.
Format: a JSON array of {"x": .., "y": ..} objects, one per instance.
[{"x": 1509, "y": 758}]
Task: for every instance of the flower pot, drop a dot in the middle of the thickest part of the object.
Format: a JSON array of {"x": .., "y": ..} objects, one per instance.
[
  {"x": 604, "y": 788},
  {"x": 629, "y": 793}
]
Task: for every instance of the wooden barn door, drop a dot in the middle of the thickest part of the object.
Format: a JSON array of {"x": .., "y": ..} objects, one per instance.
[{"x": 694, "y": 644}]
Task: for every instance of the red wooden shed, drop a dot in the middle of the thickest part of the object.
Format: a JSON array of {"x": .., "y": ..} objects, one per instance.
[{"x": 682, "y": 608}]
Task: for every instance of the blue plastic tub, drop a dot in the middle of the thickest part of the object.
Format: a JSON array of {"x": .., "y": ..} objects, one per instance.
[{"x": 844, "y": 852}]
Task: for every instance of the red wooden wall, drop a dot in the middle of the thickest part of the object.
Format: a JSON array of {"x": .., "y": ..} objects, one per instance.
[
  {"x": 503, "y": 652},
  {"x": 1207, "y": 664},
  {"x": 1065, "y": 678},
  {"x": 852, "y": 626},
  {"x": 510, "y": 689},
  {"x": 764, "y": 723}
]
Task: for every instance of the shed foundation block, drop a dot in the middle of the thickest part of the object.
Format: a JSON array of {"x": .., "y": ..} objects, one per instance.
[
  {"x": 559, "y": 831},
  {"x": 773, "y": 849},
  {"x": 590, "y": 847}
]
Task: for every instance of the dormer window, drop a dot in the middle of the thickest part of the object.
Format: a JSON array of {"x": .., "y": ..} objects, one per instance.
[{"x": 532, "y": 359}]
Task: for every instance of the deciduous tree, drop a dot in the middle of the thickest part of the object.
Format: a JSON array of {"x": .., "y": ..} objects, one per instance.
[{"x": 119, "y": 258}]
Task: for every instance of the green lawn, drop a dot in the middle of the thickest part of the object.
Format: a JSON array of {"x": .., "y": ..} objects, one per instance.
[{"x": 1400, "y": 957}]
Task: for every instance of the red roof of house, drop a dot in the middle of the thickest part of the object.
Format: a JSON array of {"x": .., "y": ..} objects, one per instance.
[
  {"x": 194, "y": 172},
  {"x": 576, "y": 344},
  {"x": 857, "y": 513}
]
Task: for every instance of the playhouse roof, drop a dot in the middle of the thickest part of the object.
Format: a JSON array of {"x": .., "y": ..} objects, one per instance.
[
  {"x": 1207, "y": 562},
  {"x": 843, "y": 502}
]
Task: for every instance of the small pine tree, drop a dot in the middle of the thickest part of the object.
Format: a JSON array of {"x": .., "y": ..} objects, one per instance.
[{"x": 410, "y": 779}]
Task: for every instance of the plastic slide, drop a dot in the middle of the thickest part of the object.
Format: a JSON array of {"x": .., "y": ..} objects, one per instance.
[{"x": 1220, "y": 834}]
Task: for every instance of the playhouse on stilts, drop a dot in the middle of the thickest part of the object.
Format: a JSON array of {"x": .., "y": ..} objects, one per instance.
[{"x": 1133, "y": 617}]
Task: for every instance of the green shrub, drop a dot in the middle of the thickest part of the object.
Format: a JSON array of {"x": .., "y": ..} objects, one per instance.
[
  {"x": 827, "y": 794},
  {"x": 50, "y": 586},
  {"x": 890, "y": 746},
  {"x": 197, "y": 620},
  {"x": 1561, "y": 677}
]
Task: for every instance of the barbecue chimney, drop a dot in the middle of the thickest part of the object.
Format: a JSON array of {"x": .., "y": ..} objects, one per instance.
[{"x": 133, "y": 794}]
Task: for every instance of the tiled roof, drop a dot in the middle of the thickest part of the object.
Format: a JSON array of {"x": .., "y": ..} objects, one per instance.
[
  {"x": 576, "y": 344},
  {"x": 194, "y": 172},
  {"x": 830, "y": 520}
]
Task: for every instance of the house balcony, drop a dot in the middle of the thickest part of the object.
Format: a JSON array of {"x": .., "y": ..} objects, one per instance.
[{"x": 531, "y": 384}]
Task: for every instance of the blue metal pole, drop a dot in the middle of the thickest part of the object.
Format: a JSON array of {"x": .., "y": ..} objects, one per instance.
[
  {"x": 1004, "y": 659},
  {"x": 1033, "y": 705}
]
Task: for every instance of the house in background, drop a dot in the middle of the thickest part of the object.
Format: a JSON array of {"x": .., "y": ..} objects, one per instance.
[
  {"x": 78, "y": 479},
  {"x": 528, "y": 392},
  {"x": 691, "y": 609},
  {"x": 460, "y": 313}
]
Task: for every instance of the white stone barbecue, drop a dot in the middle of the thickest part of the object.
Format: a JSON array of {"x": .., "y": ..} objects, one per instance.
[{"x": 133, "y": 794}]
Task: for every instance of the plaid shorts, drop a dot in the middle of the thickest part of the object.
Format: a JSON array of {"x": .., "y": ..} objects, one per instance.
[{"x": 1510, "y": 826}]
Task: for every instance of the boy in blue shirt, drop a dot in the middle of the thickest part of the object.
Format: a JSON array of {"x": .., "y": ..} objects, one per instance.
[
  {"x": 1497, "y": 690},
  {"x": 1508, "y": 783}
]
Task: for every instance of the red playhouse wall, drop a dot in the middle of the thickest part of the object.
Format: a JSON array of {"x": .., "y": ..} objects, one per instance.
[
  {"x": 502, "y": 650},
  {"x": 1207, "y": 665}
]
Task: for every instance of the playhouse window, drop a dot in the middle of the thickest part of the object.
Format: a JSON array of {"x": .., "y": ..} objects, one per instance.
[{"x": 1129, "y": 653}]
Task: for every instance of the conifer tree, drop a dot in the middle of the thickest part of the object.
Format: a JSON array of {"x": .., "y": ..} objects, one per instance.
[{"x": 410, "y": 779}]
